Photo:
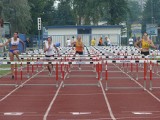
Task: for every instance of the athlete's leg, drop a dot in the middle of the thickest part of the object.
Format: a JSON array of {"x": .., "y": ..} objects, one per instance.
[{"x": 16, "y": 52}]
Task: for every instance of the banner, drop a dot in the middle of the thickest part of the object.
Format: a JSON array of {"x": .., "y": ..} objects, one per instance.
[
  {"x": 136, "y": 30},
  {"x": 151, "y": 29}
]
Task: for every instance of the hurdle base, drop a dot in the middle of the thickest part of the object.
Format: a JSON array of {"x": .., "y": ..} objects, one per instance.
[
  {"x": 80, "y": 84},
  {"x": 123, "y": 88}
]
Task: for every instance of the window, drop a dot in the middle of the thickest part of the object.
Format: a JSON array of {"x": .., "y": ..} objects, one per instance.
[{"x": 84, "y": 31}]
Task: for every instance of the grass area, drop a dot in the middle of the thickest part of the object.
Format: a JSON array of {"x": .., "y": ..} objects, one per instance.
[
  {"x": 5, "y": 66},
  {"x": 4, "y": 72}
]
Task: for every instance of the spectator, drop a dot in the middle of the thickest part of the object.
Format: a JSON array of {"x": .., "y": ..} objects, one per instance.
[
  {"x": 27, "y": 42},
  {"x": 93, "y": 42},
  {"x": 68, "y": 42},
  {"x": 107, "y": 42},
  {"x": 100, "y": 42},
  {"x": 130, "y": 41}
]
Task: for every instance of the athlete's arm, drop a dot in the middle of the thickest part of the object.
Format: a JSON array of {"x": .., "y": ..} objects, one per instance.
[
  {"x": 152, "y": 44},
  {"x": 137, "y": 43}
]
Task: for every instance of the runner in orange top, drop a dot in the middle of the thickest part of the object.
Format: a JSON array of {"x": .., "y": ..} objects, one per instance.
[{"x": 79, "y": 46}]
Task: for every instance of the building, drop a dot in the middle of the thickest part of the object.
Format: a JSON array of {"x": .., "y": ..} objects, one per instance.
[{"x": 61, "y": 33}]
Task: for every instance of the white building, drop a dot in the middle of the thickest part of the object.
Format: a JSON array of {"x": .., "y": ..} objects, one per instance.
[{"x": 61, "y": 33}]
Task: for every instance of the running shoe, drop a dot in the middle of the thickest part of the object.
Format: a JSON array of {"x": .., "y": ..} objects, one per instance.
[{"x": 12, "y": 77}]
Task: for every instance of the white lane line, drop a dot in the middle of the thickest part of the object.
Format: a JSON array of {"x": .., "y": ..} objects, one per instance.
[
  {"x": 81, "y": 113},
  {"x": 140, "y": 85},
  {"x": 51, "y": 103},
  {"x": 13, "y": 113},
  {"x": 141, "y": 113},
  {"x": 6, "y": 96},
  {"x": 107, "y": 102}
]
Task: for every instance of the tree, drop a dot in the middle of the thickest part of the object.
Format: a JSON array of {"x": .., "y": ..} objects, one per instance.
[
  {"x": 134, "y": 15},
  {"x": 118, "y": 10},
  {"x": 17, "y": 12},
  {"x": 135, "y": 12},
  {"x": 64, "y": 14},
  {"x": 151, "y": 13}
]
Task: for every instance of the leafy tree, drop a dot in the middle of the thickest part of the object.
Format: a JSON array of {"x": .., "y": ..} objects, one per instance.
[
  {"x": 151, "y": 13},
  {"x": 64, "y": 14},
  {"x": 135, "y": 12},
  {"x": 17, "y": 12},
  {"x": 118, "y": 10}
]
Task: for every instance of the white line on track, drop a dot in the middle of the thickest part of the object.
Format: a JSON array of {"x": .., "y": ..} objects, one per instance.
[
  {"x": 51, "y": 103},
  {"x": 107, "y": 102},
  {"x": 140, "y": 85},
  {"x": 6, "y": 96}
]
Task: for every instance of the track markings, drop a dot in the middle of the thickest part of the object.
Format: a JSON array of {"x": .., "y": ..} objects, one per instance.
[
  {"x": 142, "y": 113},
  {"x": 107, "y": 102},
  {"x": 52, "y": 102},
  {"x": 81, "y": 113},
  {"x": 13, "y": 113},
  {"x": 140, "y": 85},
  {"x": 6, "y": 96}
]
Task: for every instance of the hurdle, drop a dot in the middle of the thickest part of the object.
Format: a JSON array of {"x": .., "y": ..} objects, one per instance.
[
  {"x": 130, "y": 61},
  {"x": 21, "y": 72},
  {"x": 151, "y": 74},
  {"x": 98, "y": 70}
]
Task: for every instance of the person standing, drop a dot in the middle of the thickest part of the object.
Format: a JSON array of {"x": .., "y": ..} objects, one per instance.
[
  {"x": 68, "y": 42},
  {"x": 93, "y": 42},
  {"x": 27, "y": 41},
  {"x": 100, "y": 42},
  {"x": 130, "y": 41},
  {"x": 14, "y": 41}
]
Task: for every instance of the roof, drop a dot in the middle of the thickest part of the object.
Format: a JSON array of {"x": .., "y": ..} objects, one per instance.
[{"x": 85, "y": 26}]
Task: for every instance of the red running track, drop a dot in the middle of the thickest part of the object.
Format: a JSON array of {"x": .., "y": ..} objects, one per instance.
[{"x": 79, "y": 102}]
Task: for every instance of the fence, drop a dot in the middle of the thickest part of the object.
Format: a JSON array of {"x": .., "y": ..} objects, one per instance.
[{"x": 86, "y": 38}]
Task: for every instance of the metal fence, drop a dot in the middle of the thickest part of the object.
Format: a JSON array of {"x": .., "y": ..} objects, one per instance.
[{"x": 86, "y": 38}]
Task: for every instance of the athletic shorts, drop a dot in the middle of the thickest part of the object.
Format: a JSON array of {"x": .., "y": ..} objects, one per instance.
[
  {"x": 78, "y": 52},
  {"x": 145, "y": 53},
  {"x": 13, "y": 50},
  {"x": 49, "y": 55}
]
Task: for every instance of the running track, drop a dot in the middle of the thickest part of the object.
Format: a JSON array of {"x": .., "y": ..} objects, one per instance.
[{"x": 80, "y": 102}]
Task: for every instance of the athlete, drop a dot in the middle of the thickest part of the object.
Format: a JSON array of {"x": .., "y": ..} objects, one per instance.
[
  {"x": 14, "y": 41},
  {"x": 48, "y": 49},
  {"x": 146, "y": 43},
  {"x": 79, "y": 46}
]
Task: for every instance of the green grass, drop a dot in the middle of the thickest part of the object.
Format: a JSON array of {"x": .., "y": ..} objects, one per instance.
[
  {"x": 5, "y": 66},
  {"x": 4, "y": 72}
]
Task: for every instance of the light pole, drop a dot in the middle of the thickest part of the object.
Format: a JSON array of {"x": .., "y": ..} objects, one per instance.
[{"x": 152, "y": 17}]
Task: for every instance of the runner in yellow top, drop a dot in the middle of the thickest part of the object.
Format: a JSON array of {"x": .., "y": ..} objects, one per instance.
[
  {"x": 93, "y": 42},
  {"x": 146, "y": 43}
]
